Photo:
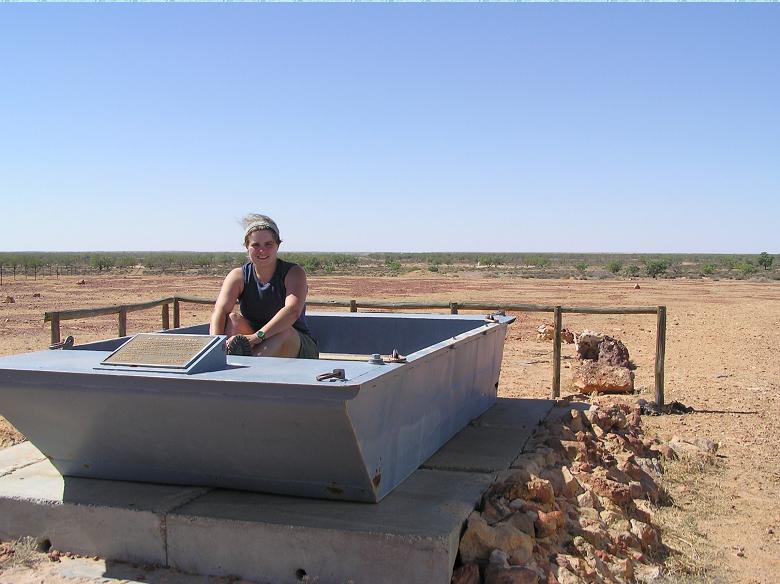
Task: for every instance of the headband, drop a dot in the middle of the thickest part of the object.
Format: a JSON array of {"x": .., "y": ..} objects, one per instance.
[{"x": 257, "y": 225}]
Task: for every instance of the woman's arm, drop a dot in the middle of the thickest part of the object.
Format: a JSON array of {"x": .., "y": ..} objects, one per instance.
[
  {"x": 226, "y": 301},
  {"x": 296, "y": 286}
]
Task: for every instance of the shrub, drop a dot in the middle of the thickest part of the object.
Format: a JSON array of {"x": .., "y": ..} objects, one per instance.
[
  {"x": 708, "y": 269},
  {"x": 537, "y": 261},
  {"x": 101, "y": 262},
  {"x": 614, "y": 266},
  {"x": 632, "y": 271},
  {"x": 746, "y": 268},
  {"x": 765, "y": 260},
  {"x": 655, "y": 268}
]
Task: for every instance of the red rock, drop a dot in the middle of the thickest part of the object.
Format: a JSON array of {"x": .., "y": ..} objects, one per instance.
[
  {"x": 667, "y": 452},
  {"x": 603, "y": 556},
  {"x": 522, "y": 522},
  {"x": 540, "y": 490},
  {"x": 547, "y": 524},
  {"x": 613, "y": 352},
  {"x": 572, "y": 449},
  {"x": 494, "y": 510},
  {"x": 623, "y": 570},
  {"x": 604, "y": 487},
  {"x": 577, "y": 421},
  {"x": 700, "y": 447},
  {"x": 634, "y": 512},
  {"x": 706, "y": 445},
  {"x": 587, "y": 345},
  {"x": 588, "y": 499},
  {"x": 597, "y": 537},
  {"x": 592, "y": 376},
  {"x": 466, "y": 574},
  {"x": 617, "y": 475},
  {"x": 512, "y": 575},
  {"x": 478, "y": 540},
  {"x": 626, "y": 540},
  {"x": 647, "y": 534},
  {"x": 571, "y": 486}
]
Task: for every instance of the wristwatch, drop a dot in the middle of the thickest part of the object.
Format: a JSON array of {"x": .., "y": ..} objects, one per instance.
[{"x": 260, "y": 336}]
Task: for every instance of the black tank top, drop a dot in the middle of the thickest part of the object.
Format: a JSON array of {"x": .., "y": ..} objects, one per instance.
[{"x": 260, "y": 302}]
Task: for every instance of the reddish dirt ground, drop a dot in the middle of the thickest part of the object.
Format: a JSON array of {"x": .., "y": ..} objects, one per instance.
[{"x": 721, "y": 358}]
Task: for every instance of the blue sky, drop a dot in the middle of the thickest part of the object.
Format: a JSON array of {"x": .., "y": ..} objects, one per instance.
[{"x": 391, "y": 127}]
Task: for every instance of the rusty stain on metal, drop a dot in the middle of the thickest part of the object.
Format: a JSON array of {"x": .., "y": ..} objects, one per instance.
[{"x": 334, "y": 489}]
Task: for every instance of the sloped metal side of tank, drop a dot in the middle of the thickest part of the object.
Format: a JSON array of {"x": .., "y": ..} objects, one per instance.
[
  {"x": 261, "y": 424},
  {"x": 404, "y": 417},
  {"x": 183, "y": 431}
]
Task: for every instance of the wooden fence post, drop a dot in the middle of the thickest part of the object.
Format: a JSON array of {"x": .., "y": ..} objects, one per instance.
[
  {"x": 166, "y": 317},
  {"x": 55, "y": 328},
  {"x": 660, "y": 352},
  {"x": 453, "y": 308},
  {"x": 556, "y": 383},
  {"x": 176, "y": 320},
  {"x": 353, "y": 305},
  {"x": 123, "y": 321}
]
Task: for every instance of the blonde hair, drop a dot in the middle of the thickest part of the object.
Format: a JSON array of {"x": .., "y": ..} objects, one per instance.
[{"x": 257, "y": 222}]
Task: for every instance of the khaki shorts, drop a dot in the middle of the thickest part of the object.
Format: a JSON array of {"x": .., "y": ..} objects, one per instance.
[{"x": 309, "y": 349}]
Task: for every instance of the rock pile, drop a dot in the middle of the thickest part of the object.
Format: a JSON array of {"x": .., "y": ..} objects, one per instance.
[
  {"x": 576, "y": 510},
  {"x": 586, "y": 344},
  {"x": 606, "y": 365},
  {"x": 546, "y": 332}
]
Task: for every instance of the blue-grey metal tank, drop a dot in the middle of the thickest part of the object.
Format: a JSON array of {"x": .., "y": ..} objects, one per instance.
[{"x": 265, "y": 424}]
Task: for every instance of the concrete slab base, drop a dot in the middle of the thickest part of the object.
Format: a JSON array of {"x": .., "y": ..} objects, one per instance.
[
  {"x": 411, "y": 536},
  {"x": 492, "y": 441},
  {"x": 19, "y": 456},
  {"x": 111, "y": 519}
]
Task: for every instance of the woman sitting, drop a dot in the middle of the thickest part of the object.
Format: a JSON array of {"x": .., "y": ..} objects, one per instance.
[{"x": 272, "y": 296}]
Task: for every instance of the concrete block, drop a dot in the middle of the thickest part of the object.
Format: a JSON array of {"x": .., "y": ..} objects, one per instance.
[
  {"x": 479, "y": 449},
  {"x": 18, "y": 456},
  {"x": 112, "y": 519},
  {"x": 516, "y": 413},
  {"x": 411, "y": 536},
  {"x": 492, "y": 441}
]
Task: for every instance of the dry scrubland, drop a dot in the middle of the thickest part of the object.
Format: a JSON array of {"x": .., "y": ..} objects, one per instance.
[{"x": 722, "y": 339}]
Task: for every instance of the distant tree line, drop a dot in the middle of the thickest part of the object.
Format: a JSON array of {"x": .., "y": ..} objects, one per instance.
[{"x": 37, "y": 264}]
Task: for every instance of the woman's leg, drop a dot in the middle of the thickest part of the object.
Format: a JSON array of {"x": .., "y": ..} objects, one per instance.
[
  {"x": 237, "y": 324},
  {"x": 284, "y": 344}
]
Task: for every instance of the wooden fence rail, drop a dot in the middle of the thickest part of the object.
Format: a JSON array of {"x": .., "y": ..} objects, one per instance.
[{"x": 56, "y": 317}]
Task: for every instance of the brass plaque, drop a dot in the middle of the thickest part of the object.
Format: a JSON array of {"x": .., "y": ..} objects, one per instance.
[{"x": 155, "y": 350}]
